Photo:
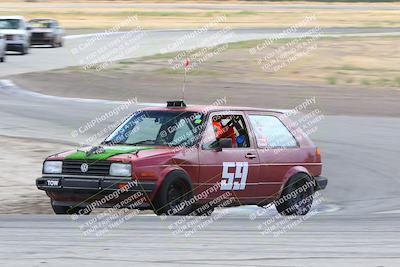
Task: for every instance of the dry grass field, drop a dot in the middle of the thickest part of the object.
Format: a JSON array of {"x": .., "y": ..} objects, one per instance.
[{"x": 101, "y": 15}]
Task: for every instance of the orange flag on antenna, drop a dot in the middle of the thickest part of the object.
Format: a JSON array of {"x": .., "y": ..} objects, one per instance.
[{"x": 186, "y": 63}]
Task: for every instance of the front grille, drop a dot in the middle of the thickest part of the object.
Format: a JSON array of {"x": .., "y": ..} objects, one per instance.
[
  {"x": 101, "y": 167},
  {"x": 9, "y": 37},
  {"x": 37, "y": 36}
]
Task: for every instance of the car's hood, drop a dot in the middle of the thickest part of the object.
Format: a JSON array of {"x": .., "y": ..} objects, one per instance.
[
  {"x": 115, "y": 153},
  {"x": 11, "y": 31}
]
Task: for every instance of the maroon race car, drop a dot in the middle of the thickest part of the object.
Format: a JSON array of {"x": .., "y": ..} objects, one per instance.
[{"x": 181, "y": 160}]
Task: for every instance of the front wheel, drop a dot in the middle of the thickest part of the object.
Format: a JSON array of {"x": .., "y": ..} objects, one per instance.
[
  {"x": 54, "y": 43},
  {"x": 297, "y": 196},
  {"x": 174, "y": 196},
  {"x": 24, "y": 50}
]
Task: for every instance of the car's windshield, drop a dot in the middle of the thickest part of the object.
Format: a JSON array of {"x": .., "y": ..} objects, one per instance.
[
  {"x": 162, "y": 128},
  {"x": 10, "y": 24},
  {"x": 40, "y": 24}
]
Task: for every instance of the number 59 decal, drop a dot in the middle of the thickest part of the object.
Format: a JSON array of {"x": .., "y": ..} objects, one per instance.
[{"x": 234, "y": 180}]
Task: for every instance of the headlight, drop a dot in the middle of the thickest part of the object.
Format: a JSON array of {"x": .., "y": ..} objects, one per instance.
[
  {"x": 52, "y": 167},
  {"x": 120, "y": 169}
]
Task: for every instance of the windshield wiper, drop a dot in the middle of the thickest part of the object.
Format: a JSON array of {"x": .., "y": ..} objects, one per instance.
[
  {"x": 109, "y": 142},
  {"x": 147, "y": 142}
]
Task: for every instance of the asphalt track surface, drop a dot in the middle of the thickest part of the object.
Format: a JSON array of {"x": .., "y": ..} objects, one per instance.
[{"x": 356, "y": 224}]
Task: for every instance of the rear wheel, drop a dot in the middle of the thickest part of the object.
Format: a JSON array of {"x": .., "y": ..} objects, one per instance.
[
  {"x": 174, "y": 196},
  {"x": 2, "y": 59},
  {"x": 297, "y": 196}
]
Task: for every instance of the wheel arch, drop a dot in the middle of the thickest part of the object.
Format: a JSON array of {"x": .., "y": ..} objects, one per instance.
[
  {"x": 291, "y": 173},
  {"x": 170, "y": 171}
]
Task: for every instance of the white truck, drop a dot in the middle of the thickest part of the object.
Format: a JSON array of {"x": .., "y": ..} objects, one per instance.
[{"x": 17, "y": 34}]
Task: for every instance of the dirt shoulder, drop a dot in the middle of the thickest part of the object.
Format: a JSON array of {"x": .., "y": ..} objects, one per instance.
[
  {"x": 334, "y": 100},
  {"x": 21, "y": 163}
]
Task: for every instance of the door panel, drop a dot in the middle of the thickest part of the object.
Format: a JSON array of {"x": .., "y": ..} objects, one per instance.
[
  {"x": 278, "y": 149},
  {"x": 234, "y": 170}
]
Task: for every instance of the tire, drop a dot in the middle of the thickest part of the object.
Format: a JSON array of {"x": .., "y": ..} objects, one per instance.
[
  {"x": 297, "y": 196},
  {"x": 24, "y": 50},
  {"x": 2, "y": 59},
  {"x": 58, "y": 209},
  {"x": 170, "y": 198},
  {"x": 54, "y": 43}
]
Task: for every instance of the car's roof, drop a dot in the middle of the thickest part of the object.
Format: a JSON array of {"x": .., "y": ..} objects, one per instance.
[
  {"x": 211, "y": 108},
  {"x": 12, "y": 17}
]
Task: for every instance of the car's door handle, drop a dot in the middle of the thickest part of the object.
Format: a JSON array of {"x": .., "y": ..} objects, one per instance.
[{"x": 250, "y": 156}]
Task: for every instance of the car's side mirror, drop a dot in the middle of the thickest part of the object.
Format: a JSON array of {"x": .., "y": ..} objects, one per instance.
[
  {"x": 28, "y": 28},
  {"x": 218, "y": 145},
  {"x": 223, "y": 143}
]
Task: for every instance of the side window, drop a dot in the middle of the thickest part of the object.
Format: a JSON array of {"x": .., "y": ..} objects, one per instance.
[
  {"x": 227, "y": 126},
  {"x": 270, "y": 132}
]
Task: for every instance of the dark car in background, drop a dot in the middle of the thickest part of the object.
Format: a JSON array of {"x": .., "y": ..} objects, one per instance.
[{"x": 46, "y": 32}]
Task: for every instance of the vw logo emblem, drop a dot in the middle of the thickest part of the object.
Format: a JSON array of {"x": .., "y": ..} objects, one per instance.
[{"x": 84, "y": 167}]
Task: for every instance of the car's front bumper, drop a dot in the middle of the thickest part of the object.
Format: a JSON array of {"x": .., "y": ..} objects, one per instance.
[
  {"x": 321, "y": 182},
  {"x": 42, "y": 41},
  {"x": 16, "y": 47},
  {"x": 77, "y": 189},
  {"x": 42, "y": 38}
]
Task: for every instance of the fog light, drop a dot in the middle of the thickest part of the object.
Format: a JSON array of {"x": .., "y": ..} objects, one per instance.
[{"x": 123, "y": 186}]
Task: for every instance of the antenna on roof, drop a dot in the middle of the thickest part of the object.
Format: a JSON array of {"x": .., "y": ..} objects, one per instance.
[{"x": 186, "y": 64}]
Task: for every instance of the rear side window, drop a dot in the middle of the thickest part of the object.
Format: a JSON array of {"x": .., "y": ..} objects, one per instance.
[{"x": 270, "y": 132}]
